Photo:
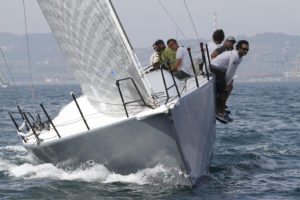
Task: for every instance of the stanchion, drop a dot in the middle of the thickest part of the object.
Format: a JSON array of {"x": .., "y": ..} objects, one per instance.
[{"x": 193, "y": 66}]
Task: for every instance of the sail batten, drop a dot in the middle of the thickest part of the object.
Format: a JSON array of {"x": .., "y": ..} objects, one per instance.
[{"x": 96, "y": 47}]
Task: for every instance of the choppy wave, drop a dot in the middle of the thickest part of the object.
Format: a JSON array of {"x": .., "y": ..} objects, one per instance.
[
  {"x": 14, "y": 148},
  {"x": 5, "y": 165},
  {"x": 88, "y": 172},
  {"x": 97, "y": 173}
]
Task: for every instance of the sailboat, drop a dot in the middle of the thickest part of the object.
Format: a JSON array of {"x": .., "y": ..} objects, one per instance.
[
  {"x": 2, "y": 81},
  {"x": 127, "y": 118}
]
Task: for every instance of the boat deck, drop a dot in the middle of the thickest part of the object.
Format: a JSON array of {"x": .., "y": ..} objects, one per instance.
[{"x": 69, "y": 121}]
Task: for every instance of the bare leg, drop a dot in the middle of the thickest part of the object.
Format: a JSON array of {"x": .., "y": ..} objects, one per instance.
[
  {"x": 228, "y": 89},
  {"x": 222, "y": 102},
  {"x": 220, "y": 107},
  {"x": 218, "y": 103}
]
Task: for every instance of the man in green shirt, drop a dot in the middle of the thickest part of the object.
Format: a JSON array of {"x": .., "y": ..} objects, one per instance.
[{"x": 165, "y": 54}]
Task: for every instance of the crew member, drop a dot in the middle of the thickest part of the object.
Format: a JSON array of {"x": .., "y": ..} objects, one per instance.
[
  {"x": 154, "y": 59},
  {"x": 218, "y": 37},
  {"x": 228, "y": 45},
  {"x": 224, "y": 66},
  {"x": 165, "y": 54},
  {"x": 182, "y": 68}
]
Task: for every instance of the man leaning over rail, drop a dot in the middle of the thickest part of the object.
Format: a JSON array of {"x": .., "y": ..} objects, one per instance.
[
  {"x": 224, "y": 67},
  {"x": 228, "y": 45}
]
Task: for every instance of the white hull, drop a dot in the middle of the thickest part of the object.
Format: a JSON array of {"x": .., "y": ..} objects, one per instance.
[
  {"x": 123, "y": 147},
  {"x": 180, "y": 134}
]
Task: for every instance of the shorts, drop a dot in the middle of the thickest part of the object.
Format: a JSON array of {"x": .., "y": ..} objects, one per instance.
[
  {"x": 181, "y": 74},
  {"x": 220, "y": 80}
]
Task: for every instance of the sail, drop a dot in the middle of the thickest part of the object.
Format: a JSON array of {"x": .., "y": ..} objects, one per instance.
[
  {"x": 97, "y": 49},
  {"x": 2, "y": 81}
]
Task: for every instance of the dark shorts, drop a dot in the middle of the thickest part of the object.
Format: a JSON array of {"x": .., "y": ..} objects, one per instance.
[
  {"x": 180, "y": 74},
  {"x": 220, "y": 80}
]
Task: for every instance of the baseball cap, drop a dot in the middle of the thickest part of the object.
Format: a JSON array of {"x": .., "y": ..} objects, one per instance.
[{"x": 230, "y": 38}]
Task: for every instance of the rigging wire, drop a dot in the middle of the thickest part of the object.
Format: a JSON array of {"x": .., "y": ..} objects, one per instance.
[
  {"x": 28, "y": 55},
  {"x": 9, "y": 71},
  {"x": 172, "y": 19},
  {"x": 6, "y": 64},
  {"x": 190, "y": 16}
]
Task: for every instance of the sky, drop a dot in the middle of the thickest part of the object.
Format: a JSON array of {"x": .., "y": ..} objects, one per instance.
[{"x": 145, "y": 20}]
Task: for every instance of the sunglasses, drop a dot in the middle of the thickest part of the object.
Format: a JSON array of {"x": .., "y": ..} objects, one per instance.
[{"x": 245, "y": 49}]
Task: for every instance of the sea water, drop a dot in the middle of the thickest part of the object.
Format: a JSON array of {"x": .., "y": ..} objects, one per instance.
[{"x": 255, "y": 157}]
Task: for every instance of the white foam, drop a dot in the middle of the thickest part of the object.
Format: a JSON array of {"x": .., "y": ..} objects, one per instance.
[
  {"x": 253, "y": 147},
  {"x": 142, "y": 177},
  {"x": 97, "y": 173},
  {"x": 29, "y": 171},
  {"x": 14, "y": 148},
  {"x": 284, "y": 151},
  {"x": 5, "y": 165},
  {"x": 89, "y": 172},
  {"x": 267, "y": 163}
]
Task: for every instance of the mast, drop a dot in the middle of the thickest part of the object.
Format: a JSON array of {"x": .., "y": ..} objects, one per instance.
[
  {"x": 125, "y": 38},
  {"x": 121, "y": 26},
  {"x": 129, "y": 47}
]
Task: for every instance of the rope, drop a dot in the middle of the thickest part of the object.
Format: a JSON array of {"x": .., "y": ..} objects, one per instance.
[
  {"x": 28, "y": 55},
  {"x": 162, "y": 5},
  {"x": 188, "y": 10}
]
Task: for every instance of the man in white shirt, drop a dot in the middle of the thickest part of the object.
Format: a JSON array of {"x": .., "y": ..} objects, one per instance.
[
  {"x": 224, "y": 66},
  {"x": 218, "y": 37},
  {"x": 154, "y": 59},
  {"x": 182, "y": 67},
  {"x": 228, "y": 45}
]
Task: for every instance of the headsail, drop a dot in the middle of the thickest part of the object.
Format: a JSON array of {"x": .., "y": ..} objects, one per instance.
[{"x": 96, "y": 48}]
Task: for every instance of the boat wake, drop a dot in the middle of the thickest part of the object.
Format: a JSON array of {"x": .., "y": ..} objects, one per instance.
[{"x": 28, "y": 168}]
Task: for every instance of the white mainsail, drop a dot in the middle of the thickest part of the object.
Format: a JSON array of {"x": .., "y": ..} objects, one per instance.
[{"x": 92, "y": 39}]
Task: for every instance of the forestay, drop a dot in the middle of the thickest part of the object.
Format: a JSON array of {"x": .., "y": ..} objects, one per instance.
[{"x": 96, "y": 48}]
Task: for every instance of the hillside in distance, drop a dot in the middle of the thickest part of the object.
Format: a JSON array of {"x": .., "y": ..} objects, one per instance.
[
  {"x": 269, "y": 55},
  {"x": 47, "y": 61}
]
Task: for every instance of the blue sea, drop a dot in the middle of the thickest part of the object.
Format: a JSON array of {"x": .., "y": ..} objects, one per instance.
[{"x": 255, "y": 157}]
